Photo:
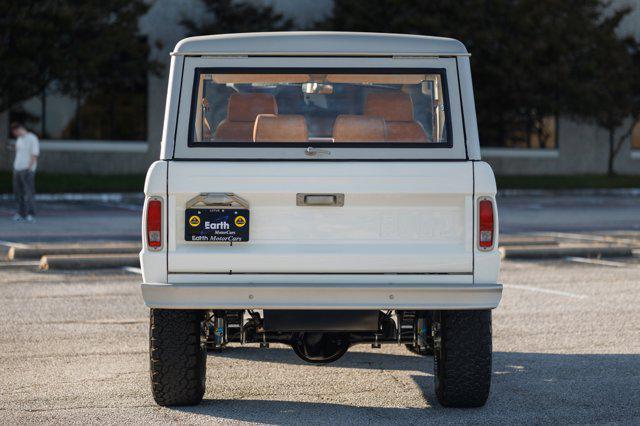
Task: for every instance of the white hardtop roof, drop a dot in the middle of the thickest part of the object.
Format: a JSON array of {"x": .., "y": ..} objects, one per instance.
[{"x": 319, "y": 43}]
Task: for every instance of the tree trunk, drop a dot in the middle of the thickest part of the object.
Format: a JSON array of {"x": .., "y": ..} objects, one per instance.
[
  {"x": 112, "y": 116},
  {"x": 43, "y": 113},
  {"x": 76, "y": 127},
  {"x": 612, "y": 154}
]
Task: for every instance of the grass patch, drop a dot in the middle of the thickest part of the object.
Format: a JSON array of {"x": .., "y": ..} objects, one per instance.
[
  {"x": 56, "y": 183},
  {"x": 568, "y": 182}
]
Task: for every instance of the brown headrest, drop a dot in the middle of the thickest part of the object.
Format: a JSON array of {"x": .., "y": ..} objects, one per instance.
[
  {"x": 247, "y": 106},
  {"x": 280, "y": 128},
  {"x": 358, "y": 128},
  {"x": 393, "y": 106}
]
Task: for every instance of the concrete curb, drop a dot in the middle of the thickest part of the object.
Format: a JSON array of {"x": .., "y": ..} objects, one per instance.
[
  {"x": 508, "y": 241},
  {"x": 4, "y": 251},
  {"x": 24, "y": 264},
  {"x": 39, "y": 250},
  {"x": 96, "y": 261},
  {"x": 558, "y": 252}
]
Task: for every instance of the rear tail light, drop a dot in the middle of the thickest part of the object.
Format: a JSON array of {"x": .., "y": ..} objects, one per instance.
[
  {"x": 154, "y": 224},
  {"x": 486, "y": 226}
]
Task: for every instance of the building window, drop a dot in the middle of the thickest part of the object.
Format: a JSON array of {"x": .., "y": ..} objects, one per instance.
[
  {"x": 525, "y": 133},
  {"x": 635, "y": 136},
  {"x": 101, "y": 115}
]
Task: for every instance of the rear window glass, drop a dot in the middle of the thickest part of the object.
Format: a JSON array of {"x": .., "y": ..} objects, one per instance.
[{"x": 323, "y": 107}]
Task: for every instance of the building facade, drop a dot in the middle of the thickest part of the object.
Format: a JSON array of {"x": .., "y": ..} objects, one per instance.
[{"x": 73, "y": 144}]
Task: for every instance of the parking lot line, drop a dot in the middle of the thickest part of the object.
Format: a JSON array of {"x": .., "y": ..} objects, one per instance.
[{"x": 546, "y": 290}]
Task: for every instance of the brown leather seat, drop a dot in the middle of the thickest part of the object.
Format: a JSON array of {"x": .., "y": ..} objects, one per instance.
[
  {"x": 358, "y": 128},
  {"x": 280, "y": 128},
  {"x": 396, "y": 108},
  {"x": 242, "y": 110}
]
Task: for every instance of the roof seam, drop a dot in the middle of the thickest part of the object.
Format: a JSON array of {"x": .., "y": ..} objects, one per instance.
[{"x": 320, "y": 54}]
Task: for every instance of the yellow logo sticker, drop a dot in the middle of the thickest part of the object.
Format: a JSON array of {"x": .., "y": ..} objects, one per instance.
[
  {"x": 194, "y": 221},
  {"x": 240, "y": 221}
]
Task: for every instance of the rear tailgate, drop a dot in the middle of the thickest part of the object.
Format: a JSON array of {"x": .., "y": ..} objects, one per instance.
[{"x": 397, "y": 217}]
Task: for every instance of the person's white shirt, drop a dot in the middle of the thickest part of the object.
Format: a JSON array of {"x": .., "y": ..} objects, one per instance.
[{"x": 26, "y": 146}]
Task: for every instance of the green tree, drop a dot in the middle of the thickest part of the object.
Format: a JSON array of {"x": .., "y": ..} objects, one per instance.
[
  {"x": 109, "y": 68},
  {"x": 28, "y": 49},
  {"x": 229, "y": 16},
  {"x": 622, "y": 96},
  {"x": 81, "y": 49},
  {"x": 615, "y": 82},
  {"x": 531, "y": 58}
]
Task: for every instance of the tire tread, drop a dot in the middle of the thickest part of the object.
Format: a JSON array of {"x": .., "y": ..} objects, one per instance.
[
  {"x": 463, "y": 367},
  {"x": 177, "y": 357}
]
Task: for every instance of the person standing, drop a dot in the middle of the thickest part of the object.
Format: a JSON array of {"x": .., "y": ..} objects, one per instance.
[{"x": 24, "y": 171}]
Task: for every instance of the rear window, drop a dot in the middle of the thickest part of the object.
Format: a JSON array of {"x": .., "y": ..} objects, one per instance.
[{"x": 320, "y": 107}]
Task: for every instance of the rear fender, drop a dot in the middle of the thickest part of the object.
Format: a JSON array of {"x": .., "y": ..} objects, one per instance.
[
  {"x": 486, "y": 263},
  {"x": 154, "y": 263}
]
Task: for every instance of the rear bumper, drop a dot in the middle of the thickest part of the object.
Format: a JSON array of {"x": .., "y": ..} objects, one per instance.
[{"x": 321, "y": 296}]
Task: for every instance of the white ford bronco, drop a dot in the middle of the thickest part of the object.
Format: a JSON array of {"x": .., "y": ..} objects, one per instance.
[{"x": 320, "y": 190}]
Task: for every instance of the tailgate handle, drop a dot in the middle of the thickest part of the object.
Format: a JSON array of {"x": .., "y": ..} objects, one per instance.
[{"x": 332, "y": 200}]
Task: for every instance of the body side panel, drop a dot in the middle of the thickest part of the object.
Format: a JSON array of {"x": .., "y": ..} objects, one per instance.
[
  {"x": 171, "y": 108},
  {"x": 469, "y": 108}
]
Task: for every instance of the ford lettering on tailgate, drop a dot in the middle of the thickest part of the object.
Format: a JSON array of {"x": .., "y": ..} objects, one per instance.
[{"x": 216, "y": 225}]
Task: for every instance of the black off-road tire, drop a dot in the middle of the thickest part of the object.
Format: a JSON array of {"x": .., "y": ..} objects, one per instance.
[
  {"x": 462, "y": 357},
  {"x": 178, "y": 356}
]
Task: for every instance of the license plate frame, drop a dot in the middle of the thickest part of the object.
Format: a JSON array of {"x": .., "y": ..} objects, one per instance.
[{"x": 217, "y": 225}]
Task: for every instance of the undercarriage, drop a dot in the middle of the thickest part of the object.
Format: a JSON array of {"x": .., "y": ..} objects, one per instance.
[{"x": 320, "y": 336}]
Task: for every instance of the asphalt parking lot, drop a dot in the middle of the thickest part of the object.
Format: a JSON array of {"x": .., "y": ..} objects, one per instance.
[
  {"x": 77, "y": 221},
  {"x": 73, "y": 349},
  {"x": 73, "y": 345}
]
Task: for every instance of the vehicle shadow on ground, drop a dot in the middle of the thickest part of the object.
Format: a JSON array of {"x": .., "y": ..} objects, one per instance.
[
  {"x": 526, "y": 387},
  {"x": 352, "y": 359}
]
